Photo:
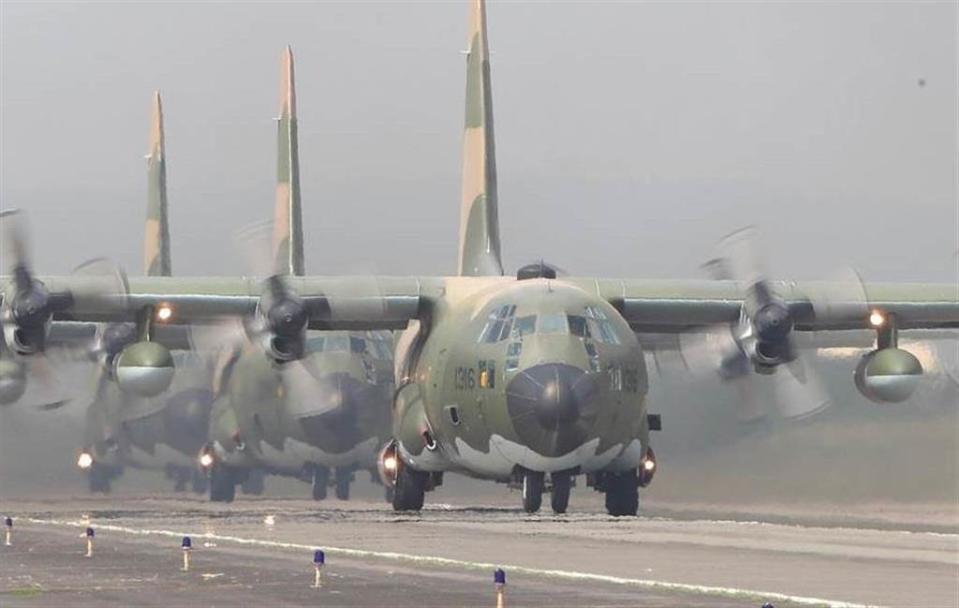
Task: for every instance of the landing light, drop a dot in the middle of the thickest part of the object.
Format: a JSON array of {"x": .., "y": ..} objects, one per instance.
[
  {"x": 877, "y": 319},
  {"x": 164, "y": 312},
  {"x": 206, "y": 460},
  {"x": 85, "y": 461},
  {"x": 649, "y": 465},
  {"x": 389, "y": 463}
]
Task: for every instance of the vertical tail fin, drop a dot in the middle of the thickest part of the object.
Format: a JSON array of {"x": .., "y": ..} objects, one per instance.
[
  {"x": 156, "y": 237},
  {"x": 287, "y": 216},
  {"x": 479, "y": 252}
]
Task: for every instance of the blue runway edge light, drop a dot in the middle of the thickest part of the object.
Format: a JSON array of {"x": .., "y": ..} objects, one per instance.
[
  {"x": 90, "y": 533},
  {"x": 187, "y": 543},
  {"x": 319, "y": 558},
  {"x": 499, "y": 576}
]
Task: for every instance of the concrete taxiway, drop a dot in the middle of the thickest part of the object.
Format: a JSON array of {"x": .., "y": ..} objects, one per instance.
[{"x": 258, "y": 551}]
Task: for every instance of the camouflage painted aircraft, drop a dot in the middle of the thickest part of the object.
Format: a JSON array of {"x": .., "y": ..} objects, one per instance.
[
  {"x": 516, "y": 378},
  {"x": 163, "y": 431},
  {"x": 320, "y": 402}
]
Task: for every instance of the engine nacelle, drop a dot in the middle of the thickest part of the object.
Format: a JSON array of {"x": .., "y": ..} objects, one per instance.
[
  {"x": 13, "y": 381},
  {"x": 144, "y": 369},
  {"x": 25, "y": 341},
  {"x": 888, "y": 375}
]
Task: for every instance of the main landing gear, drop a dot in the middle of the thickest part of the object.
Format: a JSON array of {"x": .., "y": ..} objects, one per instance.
[
  {"x": 533, "y": 484},
  {"x": 342, "y": 479},
  {"x": 409, "y": 491}
]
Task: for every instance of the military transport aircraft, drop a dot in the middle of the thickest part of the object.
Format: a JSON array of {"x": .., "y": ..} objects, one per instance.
[
  {"x": 512, "y": 378},
  {"x": 163, "y": 431},
  {"x": 300, "y": 404}
]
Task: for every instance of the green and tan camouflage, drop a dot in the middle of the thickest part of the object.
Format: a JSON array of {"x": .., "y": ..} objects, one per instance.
[
  {"x": 479, "y": 246},
  {"x": 156, "y": 237},
  {"x": 515, "y": 378},
  {"x": 287, "y": 219}
]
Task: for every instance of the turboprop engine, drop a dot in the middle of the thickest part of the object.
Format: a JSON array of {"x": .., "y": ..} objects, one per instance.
[
  {"x": 888, "y": 375},
  {"x": 144, "y": 369}
]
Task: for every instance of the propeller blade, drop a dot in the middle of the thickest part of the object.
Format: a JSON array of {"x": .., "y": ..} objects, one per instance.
[
  {"x": 16, "y": 250},
  {"x": 799, "y": 391},
  {"x": 751, "y": 407},
  {"x": 841, "y": 298}
]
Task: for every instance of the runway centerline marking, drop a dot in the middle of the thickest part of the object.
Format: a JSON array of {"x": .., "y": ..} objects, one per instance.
[{"x": 732, "y": 592}]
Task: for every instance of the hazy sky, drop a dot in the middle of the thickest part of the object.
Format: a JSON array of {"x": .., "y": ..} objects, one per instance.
[{"x": 630, "y": 136}]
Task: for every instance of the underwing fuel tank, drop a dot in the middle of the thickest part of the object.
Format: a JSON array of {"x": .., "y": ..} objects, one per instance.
[
  {"x": 888, "y": 375},
  {"x": 144, "y": 369}
]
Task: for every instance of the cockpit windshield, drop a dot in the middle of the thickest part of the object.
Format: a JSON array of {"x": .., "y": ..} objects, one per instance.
[
  {"x": 502, "y": 324},
  {"x": 329, "y": 344}
]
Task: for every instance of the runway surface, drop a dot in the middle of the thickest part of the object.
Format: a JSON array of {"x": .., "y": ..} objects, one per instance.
[{"x": 258, "y": 551}]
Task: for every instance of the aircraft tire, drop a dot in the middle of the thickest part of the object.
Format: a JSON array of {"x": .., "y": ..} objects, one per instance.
[
  {"x": 410, "y": 489},
  {"x": 532, "y": 491},
  {"x": 562, "y": 485},
  {"x": 622, "y": 494},
  {"x": 199, "y": 482},
  {"x": 321, "y": 477},
  {"x": 222, "y": 483},
  {"x": 255, "y": 483},
  {"x": 99, "y": 479},
  {"x": 344, "y": 477}
]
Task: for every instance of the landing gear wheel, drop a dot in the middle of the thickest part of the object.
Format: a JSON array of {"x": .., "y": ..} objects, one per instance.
[
  {"x": 222, "y": 483},
  {"x": 199, "y": 482},
  {"x": 344, "y": 477},
  {"x": 410, "y": 489},
  {"x": 532, "y": 491},
  {"x": 321, "y": 478},
  {"x": 562, "y": 484},
  {"x": 254, "y": 484},
  {"x": 622, "y": 493},
  {"x": 99, "y": 479},
  {"x": 181, "y": 477}
]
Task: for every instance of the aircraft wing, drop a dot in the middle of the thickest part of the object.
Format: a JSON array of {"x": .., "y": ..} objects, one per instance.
[
  {"x": 365, "y": 302},
  {"x": 650, "y": 306},
  {"x": 671, "y": 306}
]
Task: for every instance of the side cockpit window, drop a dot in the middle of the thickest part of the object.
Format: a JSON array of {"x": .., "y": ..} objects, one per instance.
[
  {"x": 498, "y": 324},
  {"x": 600, "y": 327}
]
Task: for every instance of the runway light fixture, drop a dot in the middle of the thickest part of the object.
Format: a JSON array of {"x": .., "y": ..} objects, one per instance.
[
  {"x": 85, "y": 461},
  {"x": 877, "y": 319}
]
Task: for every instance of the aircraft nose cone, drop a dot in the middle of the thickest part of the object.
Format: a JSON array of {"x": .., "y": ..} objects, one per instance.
[{"x": 552, "y": 406}]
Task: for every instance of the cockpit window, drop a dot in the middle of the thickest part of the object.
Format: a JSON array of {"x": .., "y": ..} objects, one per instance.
[
  {"x": 552, "y": 324},
  {"x": 499, "y": 324},
  {"x": 318, "y": 344},
  {"x": 357, "y": 345},
  {"x": 523, "y": 326},
  {"x": 578, "y": 326},
  {"x": 600, "y": 326}
]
